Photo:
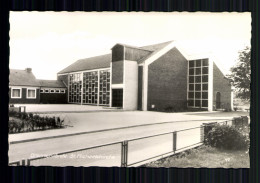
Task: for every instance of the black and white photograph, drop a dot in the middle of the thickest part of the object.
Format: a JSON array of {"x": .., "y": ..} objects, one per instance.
[{"x": 129, "y": 89}]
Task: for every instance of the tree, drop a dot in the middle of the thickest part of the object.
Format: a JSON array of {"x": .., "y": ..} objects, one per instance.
[{"x": 241, "y": 73}]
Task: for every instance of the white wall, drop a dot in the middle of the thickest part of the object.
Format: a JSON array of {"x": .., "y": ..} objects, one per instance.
[{"x": 130, "y": 95}]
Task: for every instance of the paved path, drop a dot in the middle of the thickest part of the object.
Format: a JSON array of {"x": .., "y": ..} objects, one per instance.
[
  {"x": 56, "y": 145},
  {"x": 61, "y": 108},
  {"x": 87, "y": 122}
]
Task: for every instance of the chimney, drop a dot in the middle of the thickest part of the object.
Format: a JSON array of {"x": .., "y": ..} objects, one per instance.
[{"x": 28, "y": 70}]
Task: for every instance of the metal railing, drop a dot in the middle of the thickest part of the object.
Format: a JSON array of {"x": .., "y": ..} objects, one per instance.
[{"x": 132, "y": 151}]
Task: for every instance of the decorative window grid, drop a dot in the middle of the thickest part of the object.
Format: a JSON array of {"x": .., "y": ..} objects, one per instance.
[
  {"x": 104, "y": 87},
  {"x": 75, "y": 85},
  {"x": 198, "y": 83},
  {"x": 90, "y": 87}
]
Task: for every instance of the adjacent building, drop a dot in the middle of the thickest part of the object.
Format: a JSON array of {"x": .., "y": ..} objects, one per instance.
[
  {"x": 154, "y": 77},
  {"x": 26, "y": 89}
]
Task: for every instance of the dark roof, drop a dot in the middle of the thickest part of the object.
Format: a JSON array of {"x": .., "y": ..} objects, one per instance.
[
  {"x": 129, "y": 46},
  {"x": 103, "y": 61},
  {"x": 97, "y": 62},
  {"x": 52, "y": 83},
  {"x": 156, "y": 47},
  {"x": 22, "y": 78}
]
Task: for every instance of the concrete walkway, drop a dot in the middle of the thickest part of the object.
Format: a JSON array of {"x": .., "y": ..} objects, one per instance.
[
  {"x": 62, "y": 108},
  {"x": 102, "y": 121}
]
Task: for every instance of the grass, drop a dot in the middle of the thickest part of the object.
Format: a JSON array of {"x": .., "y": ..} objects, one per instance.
[{"x": 205, "y": 156}]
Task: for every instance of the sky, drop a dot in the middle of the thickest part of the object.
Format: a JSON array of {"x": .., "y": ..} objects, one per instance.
[{"x": 48, "y": 42}]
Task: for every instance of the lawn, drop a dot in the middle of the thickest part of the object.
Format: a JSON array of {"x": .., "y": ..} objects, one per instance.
[{"x": 205, "y": 156}]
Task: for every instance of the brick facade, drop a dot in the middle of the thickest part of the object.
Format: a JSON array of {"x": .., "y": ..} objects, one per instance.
[
  {"x": 222, "y": 85},
  {"x": 24, "y": 99},
  {"x": 167, "y": 81},
  {"x": 53, "y": 98},
  {"x": 117, "y": 64}
]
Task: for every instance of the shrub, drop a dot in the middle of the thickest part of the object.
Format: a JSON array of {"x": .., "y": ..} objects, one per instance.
[
  {"x": 59, "y": 122},
  {"x": 22, "y": 122},
  {"x": 226, "y": 137}
]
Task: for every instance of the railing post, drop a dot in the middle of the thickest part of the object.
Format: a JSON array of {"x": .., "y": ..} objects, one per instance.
[
  {"x": 23, "y": 162},
  {"x": 174, "y": 135},
  {"x": 28, "y": 162},
  {"x": 124, "y": 153},
  {"x": 202, "y": 133}
]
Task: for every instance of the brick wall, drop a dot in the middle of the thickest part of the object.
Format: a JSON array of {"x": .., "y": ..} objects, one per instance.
[
  {"x": 222, "y": 85},
  {"x": 117, "y": 72},
  {"x": 117, "y": 64},
  {"x": 24, "y": 99},
  {"x": 117, "y": 53},
  {"x": 167, "y": 81},
  {"x": 53, "y": 98}
]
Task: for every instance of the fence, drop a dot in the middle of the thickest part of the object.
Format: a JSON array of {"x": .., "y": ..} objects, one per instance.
[{"x": 131, "y": 152}]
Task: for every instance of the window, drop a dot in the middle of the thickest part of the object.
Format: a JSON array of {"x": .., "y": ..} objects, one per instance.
[
  {"x": 31, "y": 93},
  {"x": 57, "y": 91},
  {"x": 198, "y": 83},
  {"x": 62, "y": 91},
  {"x": 46, "y": 91},
  {"x": 76, "y": 77},
  {"x": 16, "y": 93},
  {"x": 42, "y": 91},
  {"x": 52, "y": 91}
]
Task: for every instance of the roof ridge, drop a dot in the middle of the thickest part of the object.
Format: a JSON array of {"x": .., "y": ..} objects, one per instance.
[
  {"x": 95, "y": 56},
  {"x": 126, "y": 45},
  {"x": 157, "y": 44}
]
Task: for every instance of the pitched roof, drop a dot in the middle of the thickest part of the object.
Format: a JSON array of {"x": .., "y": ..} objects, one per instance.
[
  {"x": 22, "y": 78},
  {"x": 51, "y": 83},
  {"x": 102, "y": 61},
  {"x": 156, "y": 47}
]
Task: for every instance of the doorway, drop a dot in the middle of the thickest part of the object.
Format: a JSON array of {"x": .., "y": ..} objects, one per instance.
[
  {"x": 218, "y": 100},
  {"x": 117, "y": 97}
]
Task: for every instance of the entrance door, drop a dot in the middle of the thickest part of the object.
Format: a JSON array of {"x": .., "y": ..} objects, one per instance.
[
  {"x": 117, "y": 97},
  {"x": 218, "y": 100}
]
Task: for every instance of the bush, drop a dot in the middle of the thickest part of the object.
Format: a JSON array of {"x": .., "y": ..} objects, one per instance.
[
  {"x": 226, "y": 137},
  {"x": 22, "y": 122}
]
